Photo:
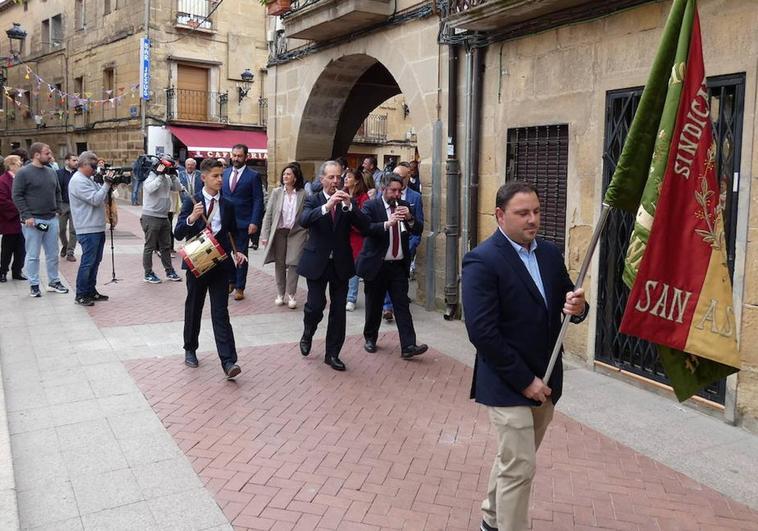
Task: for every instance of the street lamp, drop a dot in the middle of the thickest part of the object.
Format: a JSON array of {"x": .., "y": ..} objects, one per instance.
[
  {"x": 247, "y": 83},
  {"x": 16, "y": 36}
]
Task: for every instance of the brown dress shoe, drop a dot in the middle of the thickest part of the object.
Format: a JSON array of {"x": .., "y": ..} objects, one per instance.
[
  {"x": 239, "y": 294},
  {"x": 231, "y": 288}
]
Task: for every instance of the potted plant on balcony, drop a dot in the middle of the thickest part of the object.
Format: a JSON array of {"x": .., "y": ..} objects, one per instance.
[{"x": 276, "y": 7}]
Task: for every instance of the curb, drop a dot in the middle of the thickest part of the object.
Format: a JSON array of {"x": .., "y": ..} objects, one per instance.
[{"x": 8, "y": 499}]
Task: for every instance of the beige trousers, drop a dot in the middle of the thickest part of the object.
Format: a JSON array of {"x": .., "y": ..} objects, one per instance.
[
  {"x": 520, "y": 430},
  {"x": 286, "y": 276}
]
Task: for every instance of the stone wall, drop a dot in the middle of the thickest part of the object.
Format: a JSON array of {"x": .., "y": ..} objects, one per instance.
[{"x": 238, "y": 41}]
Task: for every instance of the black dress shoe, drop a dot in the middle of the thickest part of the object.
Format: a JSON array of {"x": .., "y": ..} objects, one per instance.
[
  {"x": 232, "y": 370},
  {"x": 370, "y": 346},
  {"x": 18, "y": 276},
  {"x": 190, "y": 359},
  {"x": 3, "y": 277},
  {"x": 413, "y": 350},
  {"x": 305, "y": 344},
  {"x": 335, "y": 363}
]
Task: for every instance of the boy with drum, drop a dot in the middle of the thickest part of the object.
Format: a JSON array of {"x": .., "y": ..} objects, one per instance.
[{"x": 207, "y": 209}]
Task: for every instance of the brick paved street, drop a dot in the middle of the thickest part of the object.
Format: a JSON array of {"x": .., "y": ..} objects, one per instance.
[
  {"x": 109, "y": 430},
  {"x": 396, "y": 445}
]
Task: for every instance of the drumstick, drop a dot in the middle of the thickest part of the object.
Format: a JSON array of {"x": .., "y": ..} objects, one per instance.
[
  {"x": 231, "y": 240},
  {"x": 194, "y": 202}
]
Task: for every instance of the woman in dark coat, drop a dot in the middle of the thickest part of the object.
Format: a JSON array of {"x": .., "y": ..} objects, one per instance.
[
  {"x": 356, "y": 187},
  {"x": 12, "y": 245}
]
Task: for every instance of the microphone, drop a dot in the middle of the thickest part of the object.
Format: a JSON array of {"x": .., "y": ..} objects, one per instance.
[{"x": 401, "y": 223}]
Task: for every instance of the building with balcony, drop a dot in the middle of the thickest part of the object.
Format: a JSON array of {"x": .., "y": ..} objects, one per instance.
[
  {"x": 77, "y": 82},
  {"x": 538, "y": 90},
  {"x": 386, "y": 133}
]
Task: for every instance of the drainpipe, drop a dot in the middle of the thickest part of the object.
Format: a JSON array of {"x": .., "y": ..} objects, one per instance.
[
  {"x": 474, "y": 142},
  {"x": 453, "y": 173}
]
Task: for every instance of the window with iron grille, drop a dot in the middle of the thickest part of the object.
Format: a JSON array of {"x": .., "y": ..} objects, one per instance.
[
  {"x": 539, "y": 155},
  {"x": 727, "y": 102}
]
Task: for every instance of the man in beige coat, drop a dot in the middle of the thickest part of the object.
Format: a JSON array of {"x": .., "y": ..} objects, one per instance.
[{"x": 282, "y": 235}]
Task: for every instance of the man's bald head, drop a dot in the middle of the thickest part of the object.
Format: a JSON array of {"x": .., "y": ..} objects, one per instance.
[{"x": 404, "y": 172}]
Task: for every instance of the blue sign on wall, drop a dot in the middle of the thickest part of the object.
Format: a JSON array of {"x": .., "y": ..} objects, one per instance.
[{"x": 145, "y": 68}]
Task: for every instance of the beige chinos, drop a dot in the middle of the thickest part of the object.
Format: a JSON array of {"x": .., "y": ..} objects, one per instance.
[{"x": 520, "y": 430}]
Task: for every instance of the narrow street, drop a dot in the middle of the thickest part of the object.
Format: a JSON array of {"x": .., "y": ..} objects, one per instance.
[{"x": 109, "y": 430}]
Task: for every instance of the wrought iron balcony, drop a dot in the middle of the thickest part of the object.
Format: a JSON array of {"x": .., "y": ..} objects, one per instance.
[
  {"x": 373, "y": 130},
  {"x": 524, "y": 16},
  {"x": 195, "y": 14},
  {"x": 459, "y": 6},
  {"x": 196, "y": 105},
  {"x": 321, "y": 20}
]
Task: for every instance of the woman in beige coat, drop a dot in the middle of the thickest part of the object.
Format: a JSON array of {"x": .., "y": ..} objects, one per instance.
[{"x": 282, "y": 234}]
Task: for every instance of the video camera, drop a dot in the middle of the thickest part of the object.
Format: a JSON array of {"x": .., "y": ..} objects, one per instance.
[
  {"x": 164, "y": 165},
  {"x": 114, "y": 174}
]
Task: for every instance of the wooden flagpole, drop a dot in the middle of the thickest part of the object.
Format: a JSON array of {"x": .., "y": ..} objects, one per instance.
[{"x": 579, "y": 281}]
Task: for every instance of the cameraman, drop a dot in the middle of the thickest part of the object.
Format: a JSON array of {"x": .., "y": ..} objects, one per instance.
[
  {"x": 156, "y": 203},
  {"x": 88, "y": 202}
]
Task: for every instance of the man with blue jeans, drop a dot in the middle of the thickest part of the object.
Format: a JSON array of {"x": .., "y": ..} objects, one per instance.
[
  {"x": 37, "y": 195},
  {"x": 88, "y": 200}
]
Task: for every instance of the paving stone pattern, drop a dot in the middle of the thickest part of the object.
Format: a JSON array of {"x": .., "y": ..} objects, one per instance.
[
  {"x": 392, "y": 444},
  {"x": 139, "y": 302}
]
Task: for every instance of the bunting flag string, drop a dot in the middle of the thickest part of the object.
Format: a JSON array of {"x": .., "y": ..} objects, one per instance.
[
  {"x": 85, "y": 101},
  {"x": 75, "y": 101}
]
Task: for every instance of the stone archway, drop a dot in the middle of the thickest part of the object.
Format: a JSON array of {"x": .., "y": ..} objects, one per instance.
[{"x": 343, "y": 94}]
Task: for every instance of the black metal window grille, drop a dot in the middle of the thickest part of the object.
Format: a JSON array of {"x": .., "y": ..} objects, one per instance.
[
  {"x": 539, "y": 155},
  {"x": 626, "y": 352}
]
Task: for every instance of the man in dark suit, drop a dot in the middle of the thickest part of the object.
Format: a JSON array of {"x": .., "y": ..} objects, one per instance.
[
  {"x": 416, "y": 207},
  {"x": 515, "y": 289},
  {"x": 190, "y": 177},
  {"x": 209, "y": 207},
  {"x": 384, "y": 262},
  {"x": 328, "y": 260},
  {"x": 242, "y": 186}
]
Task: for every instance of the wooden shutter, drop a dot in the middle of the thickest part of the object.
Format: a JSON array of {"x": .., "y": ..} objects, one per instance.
[
  {"x": 539, "y": 155},
  {"x": 192, "y": 92}
]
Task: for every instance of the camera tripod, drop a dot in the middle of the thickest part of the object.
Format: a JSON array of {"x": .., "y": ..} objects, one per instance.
[{"x": 113, "y": 279}]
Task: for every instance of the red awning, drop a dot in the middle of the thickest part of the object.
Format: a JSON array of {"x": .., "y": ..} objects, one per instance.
[{"x": 215, "y": 143}]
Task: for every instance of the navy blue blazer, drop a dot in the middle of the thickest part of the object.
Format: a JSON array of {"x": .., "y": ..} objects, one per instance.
[
  {"x": 228, "y": 225},
  {"x": 377, "y": 240},
  {"x": 416, "y": 205},
  {"x": 509, "y": 322},
  {"x": 247, "y": 197},
  {"x": 327, "y": 238},
  {"x": 197, "y": 180}
]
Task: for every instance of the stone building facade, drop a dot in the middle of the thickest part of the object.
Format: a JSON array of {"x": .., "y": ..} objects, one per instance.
[
  {"x": 76, "y": 84},
  {"x": 558, "y": 81}
]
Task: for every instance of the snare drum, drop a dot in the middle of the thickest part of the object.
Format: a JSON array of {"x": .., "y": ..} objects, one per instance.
[{"x": 202, "y": 253}]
